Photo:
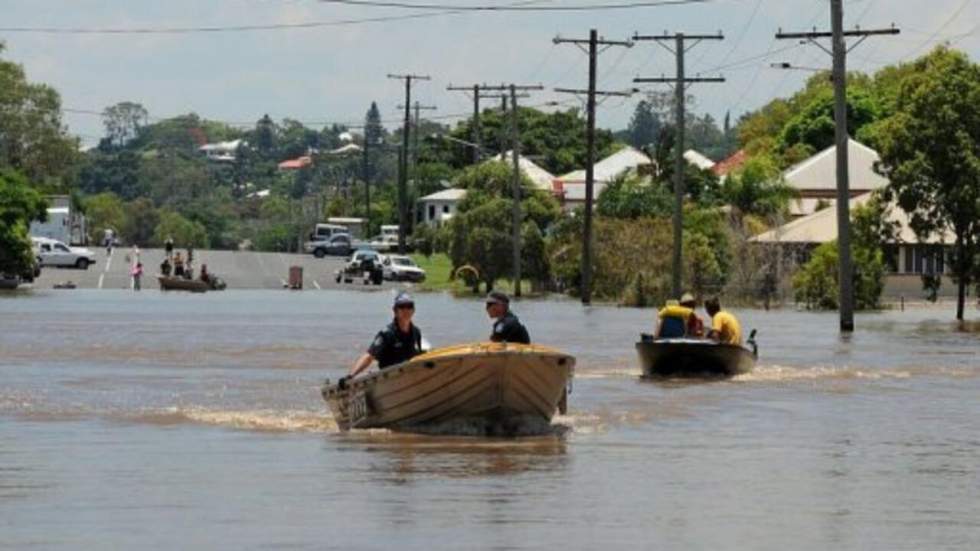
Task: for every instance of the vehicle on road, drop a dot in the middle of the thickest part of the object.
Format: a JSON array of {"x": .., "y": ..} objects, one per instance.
[
  {"x": 51, "y": 252},
  {"x": 384, "y": 243},
  {"x": 337, "y": 245},
  {"x": 364, "y": 264},
  {"x": 402, "y": 268}
]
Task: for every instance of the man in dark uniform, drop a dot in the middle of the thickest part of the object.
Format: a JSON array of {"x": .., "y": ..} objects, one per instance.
[
  {"x": 506, "y": 326},
  {"x": 397, "y": 343}
]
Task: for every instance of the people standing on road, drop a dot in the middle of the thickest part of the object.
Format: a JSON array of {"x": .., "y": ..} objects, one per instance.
[
  {"x": 168, "y": 247},
  {"x": 137, "y": 273},
  {"x": 108, "y": 239},
  {"x": 506, "y": 326},
  {"x": 178, "y": 265},
  {"x": 695, "y": 327},
  {"x": 165, "y": 267},
  {"x": 399, "y": 342},
  {"x": 724, "y": 327}
]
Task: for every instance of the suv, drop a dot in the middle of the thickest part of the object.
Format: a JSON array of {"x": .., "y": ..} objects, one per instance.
[
  {"x": 51, "y": 252},
  {"x": 337, "y": 244},
  {"x": 402, "y": 268},
  {"x": 365, "y": 263}
]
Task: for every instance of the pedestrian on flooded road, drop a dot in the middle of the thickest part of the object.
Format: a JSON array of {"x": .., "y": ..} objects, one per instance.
[
  {"x": 506, "y": 326},
  {"x": 137, "y": 273},
  {"x": 178, "y": 265},
  {"x": 168, "y": 247}
]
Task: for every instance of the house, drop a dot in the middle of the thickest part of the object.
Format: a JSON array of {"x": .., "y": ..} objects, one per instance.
[
  {"x": 440, "y": 207},
  {"x": 906, "y": 261},
  {"x": 815, "y": 179},
  {"x": 698, "y": 159},
  {"x": 570, "y": 188},
  {"x": 348, "y": 149},
  {"x": 221, "y": 152},
  {"x": 542, "y": 178},
  {"x": 297, "y": 163},
  {"x": 734, "y": 162}
]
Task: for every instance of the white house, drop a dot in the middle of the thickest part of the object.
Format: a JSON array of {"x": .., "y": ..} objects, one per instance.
[
  {"x": 816, "y": 178},
  {"x": 440, "y": 207},
  {"x": 906, "y": 261},
  {"x": 570, "y": 188},
  {"x": 698, "y": 159},
  {"x": 221, "y": 152},
  {"x": 542, "y": 178}
]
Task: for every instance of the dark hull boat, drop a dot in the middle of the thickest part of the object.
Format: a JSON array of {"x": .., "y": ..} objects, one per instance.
[
  {"x": 501, "y": 387},
  {"x": 170, "y": 283},
  {"x": 683, "y": 357}
]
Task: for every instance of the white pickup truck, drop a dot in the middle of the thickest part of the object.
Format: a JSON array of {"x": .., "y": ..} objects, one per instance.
[{"x": 51, "y": 252}]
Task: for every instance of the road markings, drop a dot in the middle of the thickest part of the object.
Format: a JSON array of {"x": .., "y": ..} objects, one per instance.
[
  {"x": 101, "y": 277},
  {"x": 317, "y": 285}
]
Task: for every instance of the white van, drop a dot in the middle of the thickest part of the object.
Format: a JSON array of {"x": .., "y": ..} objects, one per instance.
[
  {"x": 323, "y": 232},
  {"x": 51, "y": 252}
]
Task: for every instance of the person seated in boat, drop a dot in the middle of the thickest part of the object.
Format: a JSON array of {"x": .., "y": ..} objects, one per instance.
[
  {"x": 724, "y": 326},
  {"x": 673, "y": 320},
  {"x": 165, "y": 267},
  {"x": 204, "y": 275},
  {"x": 695, "y": 327},
  {"x": 506, "y": 326},
  {"x": 397, "y": 343},
  {"x": 178, "y": 265}
]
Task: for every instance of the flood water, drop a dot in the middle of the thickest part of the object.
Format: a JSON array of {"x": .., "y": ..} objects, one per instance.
[{"x": 149, "y": 420}]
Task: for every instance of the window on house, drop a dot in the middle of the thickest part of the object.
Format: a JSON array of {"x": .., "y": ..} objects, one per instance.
[
  {"x": 445, "y": 209},
  {"x": 908, "y": 259}
]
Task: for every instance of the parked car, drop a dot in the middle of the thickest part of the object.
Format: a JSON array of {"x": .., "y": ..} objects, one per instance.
[
  {"x": 337, "y": 244},
  {"x": 384, "y": 242},
  {"x": 402, "y": 268},
  {"x": 51, "y": 252},
  {"x": 364, "y": 263}
]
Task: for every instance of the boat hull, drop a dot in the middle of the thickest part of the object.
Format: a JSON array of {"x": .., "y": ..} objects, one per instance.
[
  {"x": 693, "y": 358},
  {"x": 501, "y": 385},
  {"x": 170, "y": 283}
]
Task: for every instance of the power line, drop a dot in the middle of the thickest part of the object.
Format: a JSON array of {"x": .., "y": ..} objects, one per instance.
[{"x": 580, "y": 7}]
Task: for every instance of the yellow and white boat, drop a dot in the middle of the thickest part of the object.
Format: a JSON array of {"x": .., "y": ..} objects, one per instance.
[{"x": 501, "y": 385}]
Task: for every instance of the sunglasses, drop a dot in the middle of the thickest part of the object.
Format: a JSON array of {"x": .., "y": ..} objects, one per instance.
[{"x": 405, "y": 307}]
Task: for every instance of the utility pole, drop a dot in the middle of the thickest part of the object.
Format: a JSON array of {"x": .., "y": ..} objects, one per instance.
[
  {"x": 680, "y": 82},
  {"x": 515, "y": 141},
  {"x": 838, "y": 51},
  {"x": 415, "y": 135},
  {"x": 403, "y": 161},
  {"x": 593, "y": 52},
  {"x": 477, "y": 94},
  {"x": 365, "y": 172}
]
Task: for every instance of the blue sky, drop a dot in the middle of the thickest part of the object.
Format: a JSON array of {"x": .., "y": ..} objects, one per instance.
[{"x": 332, "y": 73}]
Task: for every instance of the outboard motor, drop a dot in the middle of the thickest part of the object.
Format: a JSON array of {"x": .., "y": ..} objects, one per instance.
[{"x": 751, "y": 342}]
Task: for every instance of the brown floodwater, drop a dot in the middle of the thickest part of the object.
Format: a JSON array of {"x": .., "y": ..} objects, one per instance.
[{"x": 135, "y": 420}]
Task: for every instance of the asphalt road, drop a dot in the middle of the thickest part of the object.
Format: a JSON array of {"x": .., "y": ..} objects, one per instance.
[{"x": 239, "y": 269}]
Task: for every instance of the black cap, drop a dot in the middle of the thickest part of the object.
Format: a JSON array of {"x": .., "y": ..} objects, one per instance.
[{"x": 404, "y": 299}]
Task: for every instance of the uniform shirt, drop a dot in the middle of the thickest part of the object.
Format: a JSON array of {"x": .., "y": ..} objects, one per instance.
[
  {"x": 509, "y": 329},
  {"x": 391, "y": 346},
  {"x": 729, "y": 331}
]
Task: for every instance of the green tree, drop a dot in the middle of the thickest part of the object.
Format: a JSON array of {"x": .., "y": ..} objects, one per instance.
[
  {"x": 123, "y": 122},
  {"x": 33, "y": 140},
  {"x": 644, "y": 126},
  {"x": 184, "y": 232},
  {"x": 758, "y": 189},
  {"x": 634, "y": 197},
  {"x": 930, "y": 152},
  {"x": 816, "y": 284},
  {"x": 141, "y": 219},
  {"x": 104, "y": 211},
  {"x": 702, "y": 272},
  {"x": 19, "y": 206},
  {"x": 814, "y": 125}
]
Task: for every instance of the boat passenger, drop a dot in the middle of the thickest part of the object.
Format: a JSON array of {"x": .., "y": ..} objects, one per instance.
[
  {"x": 178, "y": 265},
  {"x": 674, "y": 320},
  {"x": 205, "y": 276},
  {"x": 724, "y": 327},
  {"x": 397, "y": 343},
  {"x": 695, "y": 327},
  {"x": 506, "y": 327},
  {"x": 165, "y": 267}
]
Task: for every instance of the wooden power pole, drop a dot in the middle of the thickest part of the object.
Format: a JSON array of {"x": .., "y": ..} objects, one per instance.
[
  {"x": 839, "y": 51},
  {"x": 403, "y": 161},
  {"x": 593, "y": 43}
]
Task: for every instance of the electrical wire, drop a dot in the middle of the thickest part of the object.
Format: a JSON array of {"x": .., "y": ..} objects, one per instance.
[{"x": 579, "y": 7}]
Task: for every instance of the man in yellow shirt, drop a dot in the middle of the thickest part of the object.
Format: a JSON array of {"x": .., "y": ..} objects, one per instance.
[{"x": 724, "y": 327}]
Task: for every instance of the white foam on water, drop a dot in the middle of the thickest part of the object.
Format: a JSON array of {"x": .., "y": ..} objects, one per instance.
[
  {"x": 780, "y": 373},
  {"x": 258, "y": 420}
]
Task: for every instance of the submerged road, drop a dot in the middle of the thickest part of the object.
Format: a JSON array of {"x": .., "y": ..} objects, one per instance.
[{"x": 240, "y": 269}]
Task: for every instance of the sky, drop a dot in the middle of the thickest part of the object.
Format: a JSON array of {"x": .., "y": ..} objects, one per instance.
[{"x": 330, "y": 73}]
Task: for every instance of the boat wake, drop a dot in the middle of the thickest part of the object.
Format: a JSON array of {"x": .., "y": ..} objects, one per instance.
[
  {"x": 255, "y": 420},
  {"x": 779, "y": 373},
  {"x": 514, "y": 427}
]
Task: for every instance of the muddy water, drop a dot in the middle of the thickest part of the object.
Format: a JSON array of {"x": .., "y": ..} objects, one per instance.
[{"x": 174, "y": 421}]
